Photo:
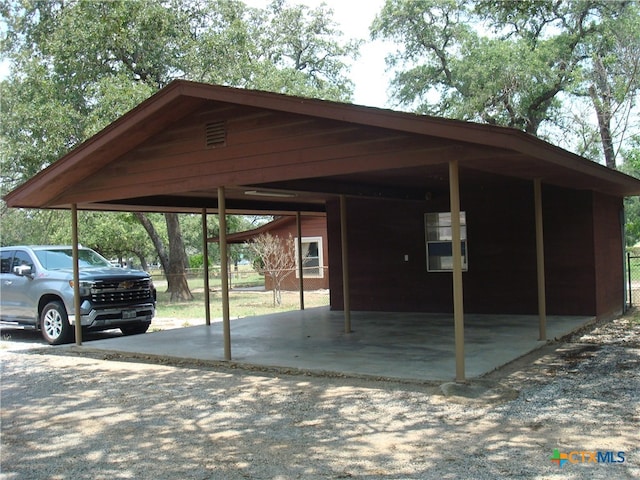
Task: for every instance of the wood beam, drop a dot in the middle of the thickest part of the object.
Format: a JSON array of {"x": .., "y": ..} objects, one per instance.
[
  {"x": 329, "y": 186},
  {"x": 542, "y": 300},
  {"x": 300, "y": 259},
  {"x": 456, "y": 249},
  {"x": 76, "y": 274},
  {"x": 346, "y": 293}
]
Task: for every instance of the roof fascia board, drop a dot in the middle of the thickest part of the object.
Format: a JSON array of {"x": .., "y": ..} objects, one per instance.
[
  {"x": 106, "y": 137},
  {"x": 172, "y": 101}
]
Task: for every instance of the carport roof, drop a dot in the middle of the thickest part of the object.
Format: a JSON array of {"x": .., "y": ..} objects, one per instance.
[{"x": 282, "y": 153}]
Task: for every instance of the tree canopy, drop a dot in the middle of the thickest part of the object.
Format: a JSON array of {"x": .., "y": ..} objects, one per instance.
[
  {"x": 71, "y": 77},
  {"x": 527, "y": 64},
  {"x": 78, "y": 65}
]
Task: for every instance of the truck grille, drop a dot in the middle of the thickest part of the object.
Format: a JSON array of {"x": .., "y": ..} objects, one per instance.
[{"x": 121, "y": 291}]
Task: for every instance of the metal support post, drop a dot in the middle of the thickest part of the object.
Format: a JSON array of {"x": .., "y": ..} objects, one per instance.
[
  {"x": 224, "y": 273},
  {"x": 205, "y": 255}
]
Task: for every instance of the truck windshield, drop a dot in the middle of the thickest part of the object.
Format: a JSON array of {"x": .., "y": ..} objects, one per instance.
[{"x": 62, "y": 258}]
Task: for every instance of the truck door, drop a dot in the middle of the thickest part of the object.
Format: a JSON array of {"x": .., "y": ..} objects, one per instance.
[
  {"x": 6, "y": 280},
  {"x": 17, "y": 306}
]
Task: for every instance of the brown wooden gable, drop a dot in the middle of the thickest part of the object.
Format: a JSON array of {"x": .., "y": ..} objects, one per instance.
[
  {"x": 174, "y": 150},
  {"x": 259, "y": 147}
]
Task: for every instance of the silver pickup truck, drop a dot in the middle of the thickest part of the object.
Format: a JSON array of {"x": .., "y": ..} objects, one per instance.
[{"x": 36, "y": 291}]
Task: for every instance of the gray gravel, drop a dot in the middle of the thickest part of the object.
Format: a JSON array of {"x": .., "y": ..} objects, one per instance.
[{"x": 67, "y": 416}]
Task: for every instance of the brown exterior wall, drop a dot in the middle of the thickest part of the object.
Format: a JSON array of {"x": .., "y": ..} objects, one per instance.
[
  {"x": 608, "y": 239},
  {"x": 311, "y": 227},
  {"x": 569, "y": 251},
  {"x": 582, "y": 244}
]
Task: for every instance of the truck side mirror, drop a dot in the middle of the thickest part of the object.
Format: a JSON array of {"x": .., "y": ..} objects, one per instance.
[{"x": 22, "y": 270}]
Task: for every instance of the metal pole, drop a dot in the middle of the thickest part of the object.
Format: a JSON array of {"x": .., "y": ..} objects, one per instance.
[
  {"x": 345, "y": 264},
  {"x": 205, "y": 254},
  {"x": 542, "y": 299},
  {"x": 456, "y": 250},
  {"x": 224, "y": 273},
  {"x": 629, "y": 277},
  {"x": 76, "y": 273},
  {"x": 300, "y": 259}
]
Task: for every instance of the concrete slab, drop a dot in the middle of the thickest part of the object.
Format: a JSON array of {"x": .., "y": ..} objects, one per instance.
[{"x": 410, "y": 346}]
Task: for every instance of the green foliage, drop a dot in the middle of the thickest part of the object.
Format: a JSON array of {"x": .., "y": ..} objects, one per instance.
[
  {"x": 35, "y": 227},
  {"x": 76, "y": 66},
  {"x": 285, "y": 49},
  {"x": 521, "y": 64},
  {"x": 115, "y": 235},
  {"x": 196, "y": 261},
  {"x": 631, "y": 166}
]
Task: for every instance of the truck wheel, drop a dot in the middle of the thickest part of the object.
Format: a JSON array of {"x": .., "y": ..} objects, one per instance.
[
  {"x": 54, "y": 324},
  {"x": 135, "y": 329}
]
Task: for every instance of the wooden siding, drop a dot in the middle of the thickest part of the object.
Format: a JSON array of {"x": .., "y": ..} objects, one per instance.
[
  {"x": 609, "y": 255},
  {"x": 569, "y": 251},
  {"x": 582, "y": 249},
  {"x": 260, "y": 147},
  {"x": 311, "y": 227}
]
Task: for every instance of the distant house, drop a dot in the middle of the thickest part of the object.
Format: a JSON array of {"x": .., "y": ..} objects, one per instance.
[{"x": 314, "y": 249}]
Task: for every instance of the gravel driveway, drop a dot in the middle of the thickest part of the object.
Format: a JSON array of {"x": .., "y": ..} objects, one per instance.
[{"x": 67, "y": 416}]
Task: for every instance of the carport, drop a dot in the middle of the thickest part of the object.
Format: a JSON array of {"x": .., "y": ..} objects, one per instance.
[
  {"x": 531, "y": 229},
  {"x": 389, "y": 345}
]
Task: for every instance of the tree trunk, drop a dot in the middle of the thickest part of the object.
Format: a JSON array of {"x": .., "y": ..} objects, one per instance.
[
  {"x": 155, "y": 238},
  {"x": 601, "y": 95},
  {"x": 173, "y": 263},
  {"x": 177, "y": 272},
  {"x": 143, "y": 262}
]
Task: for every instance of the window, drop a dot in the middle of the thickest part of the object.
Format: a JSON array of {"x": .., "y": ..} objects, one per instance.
[
  {"x": 21, "y": 258},
  {"x": 6, "y": 261},
  {"x": 438, "y": 236},
  {"x": 312, "y": 261},
  {"x": 62, "y": 258}
]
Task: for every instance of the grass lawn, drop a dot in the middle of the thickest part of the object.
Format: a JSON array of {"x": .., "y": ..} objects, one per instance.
[
  {"x": 635, "y": 266},
  {"x": 243, "y": 302}
]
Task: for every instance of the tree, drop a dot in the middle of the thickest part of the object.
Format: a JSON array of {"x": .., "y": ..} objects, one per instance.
[
  {"x": 115, "y": 235},
  {"x": 71, "y": 76},
  {"x": 285, "y": 49},
  {"x": 613, "y": 78},
  {"x": 508, "y": 63},
  {"x": 631, "y": 166},
  {"x": 34, "y": 227},
  {"x": 277, "y": 259}
]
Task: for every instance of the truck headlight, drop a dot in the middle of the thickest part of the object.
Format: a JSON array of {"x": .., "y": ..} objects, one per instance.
[{"x": 84, "y": 287}]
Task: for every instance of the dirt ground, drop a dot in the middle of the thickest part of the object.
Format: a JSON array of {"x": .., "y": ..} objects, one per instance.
[{"x": 66, "y": 415}]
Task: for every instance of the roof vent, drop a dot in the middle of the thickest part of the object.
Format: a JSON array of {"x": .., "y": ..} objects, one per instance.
[{"x": 215, "y": 133}]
